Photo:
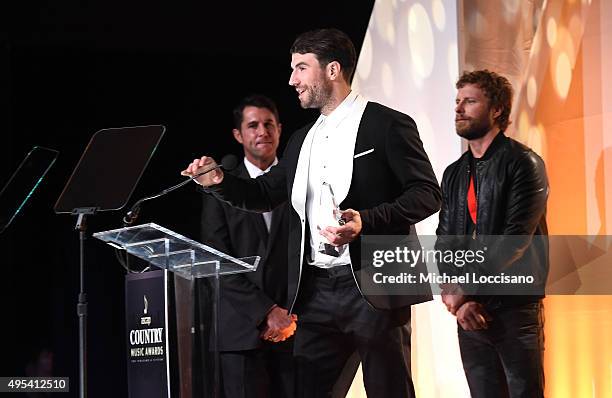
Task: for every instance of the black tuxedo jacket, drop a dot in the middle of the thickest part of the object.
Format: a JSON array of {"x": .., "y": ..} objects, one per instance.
[
  {"x": 393, "y": 187},
  {"x": 246, "y": 298}
]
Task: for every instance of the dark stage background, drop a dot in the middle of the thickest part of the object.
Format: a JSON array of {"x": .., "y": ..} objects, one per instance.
[{"x": 69, "y": 69}]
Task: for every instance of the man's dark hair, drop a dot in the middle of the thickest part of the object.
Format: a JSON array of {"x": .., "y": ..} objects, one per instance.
[
  {"x": 256, "y": 100},
  {"x": 496, "y": 88},
  {"x": 328, "y": 45}
]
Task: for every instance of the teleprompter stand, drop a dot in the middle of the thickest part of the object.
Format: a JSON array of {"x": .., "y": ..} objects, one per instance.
[{"x": 103, "y": 180}]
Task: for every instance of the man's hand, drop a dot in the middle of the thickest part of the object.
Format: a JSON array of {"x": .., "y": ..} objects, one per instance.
[
  {"x": 338, "y": 236},
  {"x": 282, "y": 335},
  {"x": 452, "y": 297},
  {"x": 279, "y": 325},
  {"x": 453, "y": 302},
  {"x": 199, "y": 165},
  {"x": 472, "y": 316}
]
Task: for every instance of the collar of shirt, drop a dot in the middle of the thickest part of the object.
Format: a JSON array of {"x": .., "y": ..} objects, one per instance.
[
  {"x": 338, "y": 114},
  {"x": 343, "y": 110},
  {"x": 255, "y": 171}
]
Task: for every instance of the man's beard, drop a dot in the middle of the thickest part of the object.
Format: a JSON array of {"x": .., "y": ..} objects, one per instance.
[
  {"x": 318, "y": 95},
  {"x": 474, "y": 130}
]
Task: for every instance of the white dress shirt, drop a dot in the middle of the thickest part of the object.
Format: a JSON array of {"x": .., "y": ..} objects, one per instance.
[
  {"x": 331, "y": 161},
  {"x": 255, "y": 172}
]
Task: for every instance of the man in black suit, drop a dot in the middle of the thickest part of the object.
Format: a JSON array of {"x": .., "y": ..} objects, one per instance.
[
  {"x": 251, "y": 305},
  {"x": 373, "y": 158}
]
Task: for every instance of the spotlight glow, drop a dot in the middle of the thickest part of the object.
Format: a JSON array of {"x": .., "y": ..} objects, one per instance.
[
  {"x": 364, "y": 66},
  {"x": 439, "y": 14},
  {"x": 386, "y": 77},
  {"x": 563, "y": 75},
  {"x": 551, "y": 32},
  {"x": 532, "y": 91},
  {"x": 421, "y": 43}
]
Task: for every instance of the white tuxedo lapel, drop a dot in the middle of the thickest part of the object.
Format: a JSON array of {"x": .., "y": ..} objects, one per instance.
[
  {"x": 300, "y": 181},
  {"x": 343, "y": 162}
]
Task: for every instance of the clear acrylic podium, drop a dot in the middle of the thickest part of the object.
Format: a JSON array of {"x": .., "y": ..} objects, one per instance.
[
  {"x": 166, "y": 249},
  {"x": 189, "y": 260}
]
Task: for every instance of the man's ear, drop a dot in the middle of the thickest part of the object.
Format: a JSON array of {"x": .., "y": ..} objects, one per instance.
[
  {"x": 237, "y": 135},
  {"x": 496, "y": 113},
  {"x": 334, "y": 70},
  {"x": 280, "y": 129}
]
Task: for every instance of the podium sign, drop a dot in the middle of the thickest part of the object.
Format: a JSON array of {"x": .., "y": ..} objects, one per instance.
[{"x": 148, "y": 362}]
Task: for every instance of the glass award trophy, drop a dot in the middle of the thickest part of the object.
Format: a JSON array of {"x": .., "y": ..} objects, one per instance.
[{"x": 332, "y": 216}]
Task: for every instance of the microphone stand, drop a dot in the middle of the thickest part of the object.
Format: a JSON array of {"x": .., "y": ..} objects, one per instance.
[
  {"x": 134, "y": 211},
  {"x": 132, "y": 215}
]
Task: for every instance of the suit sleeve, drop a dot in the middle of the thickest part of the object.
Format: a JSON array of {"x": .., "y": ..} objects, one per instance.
[
  {"x": 244, "y": 296},
  {"x": 443, "y": 218},
  {"x": 444, "y": 241},
  {"x": 261, "y": 194},
  {"x": 420, "y": 196}
]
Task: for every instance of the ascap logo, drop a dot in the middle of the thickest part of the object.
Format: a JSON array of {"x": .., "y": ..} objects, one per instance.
[{"x": 145, "y": 320}]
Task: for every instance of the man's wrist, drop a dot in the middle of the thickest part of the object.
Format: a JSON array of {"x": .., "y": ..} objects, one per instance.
[{"x": 271, "y": 308}]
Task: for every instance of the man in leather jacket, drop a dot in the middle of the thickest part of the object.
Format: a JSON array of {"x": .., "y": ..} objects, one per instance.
[{"x": 498, "y": 189}]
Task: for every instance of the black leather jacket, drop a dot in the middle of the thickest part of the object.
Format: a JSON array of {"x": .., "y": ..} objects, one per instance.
[{"x": 512, "y": 191}]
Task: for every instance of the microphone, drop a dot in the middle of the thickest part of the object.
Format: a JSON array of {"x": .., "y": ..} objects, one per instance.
[{"x": 229, "y": 162}]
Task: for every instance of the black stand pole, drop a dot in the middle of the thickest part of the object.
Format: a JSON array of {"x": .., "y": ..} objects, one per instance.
[{"x": 81, "y": 226}]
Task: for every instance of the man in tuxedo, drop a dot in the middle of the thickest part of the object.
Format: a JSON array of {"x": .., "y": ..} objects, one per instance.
[
  {"x": 254, "y": 325},
  {"x": 368, "y": 160}
]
